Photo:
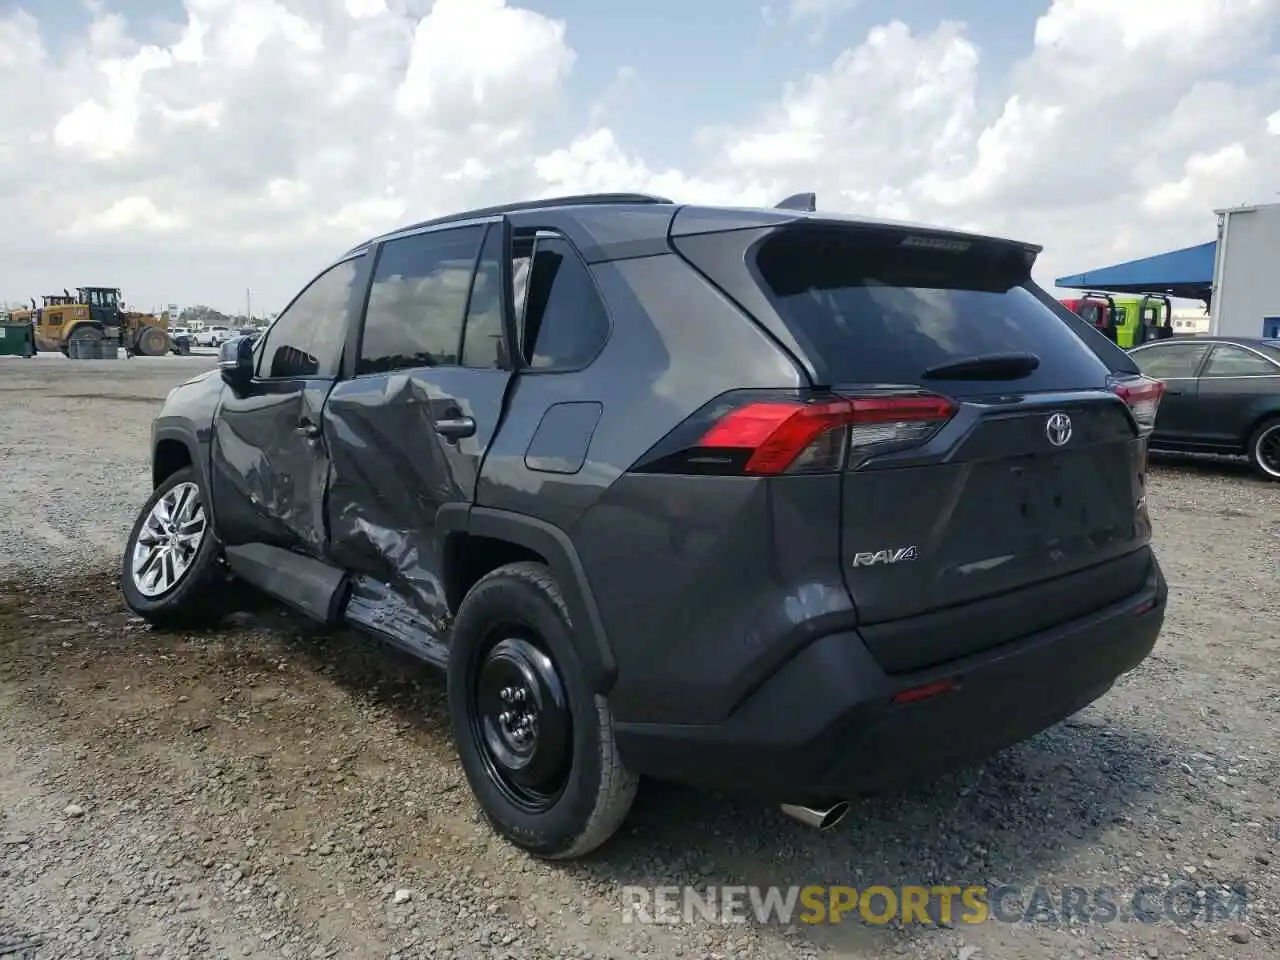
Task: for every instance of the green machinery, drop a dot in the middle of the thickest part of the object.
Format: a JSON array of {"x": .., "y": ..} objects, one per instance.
[{"x": 1141, "y": 318}]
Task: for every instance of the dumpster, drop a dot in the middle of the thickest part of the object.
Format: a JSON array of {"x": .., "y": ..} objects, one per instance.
[
  {"x": 108, "y": 348},
  {"x": 17, "y": 340}
]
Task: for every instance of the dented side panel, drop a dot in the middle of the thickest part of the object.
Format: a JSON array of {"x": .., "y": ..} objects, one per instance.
[
  {"x": 391, "y": 471},
  {"x": 268, "y": 474}
]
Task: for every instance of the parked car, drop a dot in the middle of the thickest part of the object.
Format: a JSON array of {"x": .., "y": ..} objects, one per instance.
[
  {"x": 778, "y": 502},
  {"x": 1222, "y": 395},
  {"x": 214, "y": 336}
]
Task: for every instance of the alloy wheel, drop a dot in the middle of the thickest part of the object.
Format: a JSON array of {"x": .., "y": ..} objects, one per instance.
[
  {"x": 1267, "y": 451},
  {"x": 169, "y": 540}
]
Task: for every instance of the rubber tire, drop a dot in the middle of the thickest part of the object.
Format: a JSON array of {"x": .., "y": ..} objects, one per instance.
[
  {"x": 196, "y": 599},
  {"x": 151, "y": 342},
  {"x": 600, "y": 788},
  {"x": 1254, "y": 438}
]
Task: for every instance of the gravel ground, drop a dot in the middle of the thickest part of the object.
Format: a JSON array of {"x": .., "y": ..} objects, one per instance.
[
  {"x": 265, "y": 789},
  {"x": 73, "y": 442}
]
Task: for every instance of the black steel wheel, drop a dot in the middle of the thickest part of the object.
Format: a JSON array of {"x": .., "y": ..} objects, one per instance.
[
  {"x": 520, "y": 716},
  {"x": 535, "y": 741}
]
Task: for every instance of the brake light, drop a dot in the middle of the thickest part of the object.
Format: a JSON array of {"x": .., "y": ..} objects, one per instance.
[
  {"x": 925, "y": 691},
  {"x": 1143, "y": 395},
  {"x": 788, "y": 435},
  {"x": 782, "y": 435}
]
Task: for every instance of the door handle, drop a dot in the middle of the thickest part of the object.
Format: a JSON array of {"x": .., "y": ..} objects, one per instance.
[
  {"x": 455, "y": 428},
  {"x": 309, "y": 429}
]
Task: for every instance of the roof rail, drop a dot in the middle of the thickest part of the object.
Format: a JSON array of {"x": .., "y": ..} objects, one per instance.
[
  {"x": 522, "y": 205},
  {"x": 807, "y": 202}
]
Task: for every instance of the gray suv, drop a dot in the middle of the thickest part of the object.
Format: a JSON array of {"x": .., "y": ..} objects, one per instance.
[{"x": 779, "y": 502}]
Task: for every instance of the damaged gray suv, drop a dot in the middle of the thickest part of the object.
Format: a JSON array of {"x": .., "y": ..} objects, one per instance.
[{"x": 779, "y": 502}]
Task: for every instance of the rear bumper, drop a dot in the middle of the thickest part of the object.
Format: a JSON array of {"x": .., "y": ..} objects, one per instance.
[{"x": 825, "y": 725}]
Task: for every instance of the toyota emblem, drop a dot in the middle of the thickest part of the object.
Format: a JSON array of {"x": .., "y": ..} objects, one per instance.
[{"x": 1058, "y": 429}]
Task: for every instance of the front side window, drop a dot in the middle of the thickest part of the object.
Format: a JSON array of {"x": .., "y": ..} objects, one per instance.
[
  {"x": 307, "y": 339},
  {"x": 418, "y": 301},
  {"x": 1176, "y": 361}
]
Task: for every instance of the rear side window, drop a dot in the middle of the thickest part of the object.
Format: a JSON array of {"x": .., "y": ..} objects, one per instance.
[
  {"x": 1229, "y": 361},
  {"x": 418, "y": 300},
  {"x": 872, "y": 311},
  {"x": 563, "y": 319},
  {"x": 482, "y": 340}
]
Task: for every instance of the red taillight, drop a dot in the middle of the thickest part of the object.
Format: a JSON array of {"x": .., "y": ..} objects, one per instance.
[
  {"x": 926, "y": 691},
  {"x": 771, "y": 435},
  {"x": 1142, "y": 394},
  {"x": 779, "y": 434}
]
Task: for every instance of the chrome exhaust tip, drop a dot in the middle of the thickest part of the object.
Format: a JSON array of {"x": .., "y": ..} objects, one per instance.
[{"x": 820, "y": 818}]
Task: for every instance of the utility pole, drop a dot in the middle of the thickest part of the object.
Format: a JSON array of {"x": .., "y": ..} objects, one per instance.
[{"x": 248, "y": 305}]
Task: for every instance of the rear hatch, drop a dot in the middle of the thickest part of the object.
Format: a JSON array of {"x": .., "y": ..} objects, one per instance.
[{"x": 993, "y": 472}]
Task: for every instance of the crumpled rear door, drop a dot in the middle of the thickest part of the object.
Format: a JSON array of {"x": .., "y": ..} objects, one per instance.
[{"x": 409, "y": 441}]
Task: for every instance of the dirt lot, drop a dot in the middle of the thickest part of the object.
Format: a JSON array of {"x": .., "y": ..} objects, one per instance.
[{"x": 267, "y": 790}]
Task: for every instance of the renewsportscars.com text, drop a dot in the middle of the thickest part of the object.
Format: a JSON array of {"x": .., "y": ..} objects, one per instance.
[{"x": 1178, "y": 903}]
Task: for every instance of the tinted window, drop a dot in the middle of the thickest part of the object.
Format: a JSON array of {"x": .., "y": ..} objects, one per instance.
[
  {"x": 564, "y": 321},
  {"x": 1091, "y": 312},
  {"x": 417, "y": 301},
  {"x": 482, "y": 339},
  {"x": 1238, "y": 362},
  {"x": 873, "y": 312},
  {"x": 306, "y": 340},
  {"x": 1172, "y": 361}
]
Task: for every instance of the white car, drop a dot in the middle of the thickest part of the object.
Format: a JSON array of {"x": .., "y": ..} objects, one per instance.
[{"x": 214, "y": 336}]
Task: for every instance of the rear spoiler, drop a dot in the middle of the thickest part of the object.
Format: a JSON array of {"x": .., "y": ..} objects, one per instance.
[{"x": 806, "y": 202}]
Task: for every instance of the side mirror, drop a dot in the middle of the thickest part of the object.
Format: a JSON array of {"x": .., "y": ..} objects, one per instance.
[{"x": 235, "y": 361}]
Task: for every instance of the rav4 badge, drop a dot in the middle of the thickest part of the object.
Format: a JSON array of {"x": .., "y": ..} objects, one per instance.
[{"x": 896, "y": 555}]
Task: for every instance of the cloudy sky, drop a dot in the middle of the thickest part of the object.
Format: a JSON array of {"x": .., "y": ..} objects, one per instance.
[{"x": 186, "y": 150}]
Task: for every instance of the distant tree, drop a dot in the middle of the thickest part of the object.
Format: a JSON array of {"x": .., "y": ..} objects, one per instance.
[{"x": 205, "y": 315}]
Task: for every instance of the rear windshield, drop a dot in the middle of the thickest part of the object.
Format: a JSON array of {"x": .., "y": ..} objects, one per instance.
[{"x": 871, "y": 311}]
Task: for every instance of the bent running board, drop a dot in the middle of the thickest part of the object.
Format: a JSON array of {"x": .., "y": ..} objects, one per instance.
[
  {"x": 378, "y": 609},
  {"x": 331, "y": 596},
  {"x": 310, "y": 586}
]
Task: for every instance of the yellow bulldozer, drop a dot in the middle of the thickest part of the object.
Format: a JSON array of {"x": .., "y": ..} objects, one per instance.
[{"x": 95, "y": 313}]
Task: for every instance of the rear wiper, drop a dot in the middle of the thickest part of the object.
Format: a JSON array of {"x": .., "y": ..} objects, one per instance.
[{"x": 987, "y": 366}]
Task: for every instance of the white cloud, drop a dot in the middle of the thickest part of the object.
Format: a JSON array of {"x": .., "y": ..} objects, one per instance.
[
  {"x": 815, "y": 14},
  {"x": 128, "y": 214},
  {"x": 259, "y": 136}
]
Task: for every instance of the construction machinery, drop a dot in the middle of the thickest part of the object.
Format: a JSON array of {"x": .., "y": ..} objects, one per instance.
[
  {"x": 1098, "y": 309},
  {"x": 1129, "y": 321},
  {"x": 94, "y": 314},
  {"x": 1143, "y": 318}
]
